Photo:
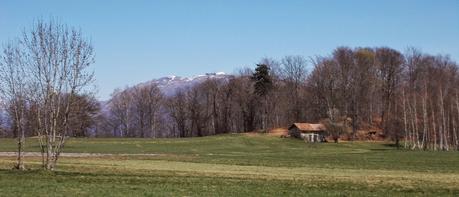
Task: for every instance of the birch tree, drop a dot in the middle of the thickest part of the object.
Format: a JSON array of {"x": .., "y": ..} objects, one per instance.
[
  {"x": 13, "y": 89},
  {"x": 58, "y": 58}
]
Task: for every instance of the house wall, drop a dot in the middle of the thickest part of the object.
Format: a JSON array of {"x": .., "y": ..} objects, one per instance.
[
  {"x": 312, "y": 137},
  {"x": 295, "y": 132}
]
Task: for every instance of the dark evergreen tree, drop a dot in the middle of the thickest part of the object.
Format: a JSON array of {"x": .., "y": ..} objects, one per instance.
[
  {"x": 262, "y": 79},
  {"x": 262, "y": 86}
]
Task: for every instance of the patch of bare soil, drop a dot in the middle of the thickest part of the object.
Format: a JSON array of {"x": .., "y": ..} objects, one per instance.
[{"x": 277, "y": 132}]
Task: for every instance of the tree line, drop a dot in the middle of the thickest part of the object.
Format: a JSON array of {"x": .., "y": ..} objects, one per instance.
[{"x": 410, "y": 97}]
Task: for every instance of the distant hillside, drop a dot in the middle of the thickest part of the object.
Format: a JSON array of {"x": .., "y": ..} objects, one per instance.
[{"x": 169, "y": 85}]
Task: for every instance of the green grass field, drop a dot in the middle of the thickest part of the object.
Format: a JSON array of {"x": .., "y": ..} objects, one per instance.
[{"x": 233, "y": 165}]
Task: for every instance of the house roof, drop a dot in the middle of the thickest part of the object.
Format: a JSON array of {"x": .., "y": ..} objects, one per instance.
[{"x": 305, "y": 127}]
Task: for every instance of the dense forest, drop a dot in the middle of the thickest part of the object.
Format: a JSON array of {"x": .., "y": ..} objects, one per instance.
[{"x": 410, "y": 97}]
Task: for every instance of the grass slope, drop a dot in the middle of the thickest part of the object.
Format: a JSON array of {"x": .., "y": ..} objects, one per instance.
[{"x": 234, "y": 165}]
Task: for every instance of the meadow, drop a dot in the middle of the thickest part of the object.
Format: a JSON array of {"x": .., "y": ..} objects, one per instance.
[{"x": 232, "y": 165}]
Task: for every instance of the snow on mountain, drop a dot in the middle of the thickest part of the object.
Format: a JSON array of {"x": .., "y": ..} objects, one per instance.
[{"x": 170, "y": 84}]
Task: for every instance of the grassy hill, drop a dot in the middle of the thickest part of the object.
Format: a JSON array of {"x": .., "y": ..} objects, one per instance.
[{"x": 237, "y": 164}]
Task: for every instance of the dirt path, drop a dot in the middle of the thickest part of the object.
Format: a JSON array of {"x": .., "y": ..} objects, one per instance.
[{"x": 38, "y": 154}]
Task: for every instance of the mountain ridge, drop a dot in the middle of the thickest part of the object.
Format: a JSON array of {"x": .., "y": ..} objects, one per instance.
[{"x": 170, "y": 84}]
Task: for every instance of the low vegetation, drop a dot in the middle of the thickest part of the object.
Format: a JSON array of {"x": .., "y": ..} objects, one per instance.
[{"x": 233, "y": 165}]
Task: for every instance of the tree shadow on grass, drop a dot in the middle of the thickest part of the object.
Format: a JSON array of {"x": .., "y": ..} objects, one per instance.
[{"x": 388, "y": 147}]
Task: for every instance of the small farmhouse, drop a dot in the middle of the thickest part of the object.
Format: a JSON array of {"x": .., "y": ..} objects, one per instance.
[{"x": 308, "y": 132}]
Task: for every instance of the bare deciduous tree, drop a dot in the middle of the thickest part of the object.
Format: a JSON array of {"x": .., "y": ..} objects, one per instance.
[
  {"x": 294, "y": 73},
  {"x": 147, "y": 101},
  {"x": 13, "y": 91},
  {"x": 58, "y": 59},
  {"x": 177, "y": 106},
  {"x": 121, "y": 115}
]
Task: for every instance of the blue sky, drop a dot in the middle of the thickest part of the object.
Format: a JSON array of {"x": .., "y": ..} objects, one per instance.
[{"x": 136, "y": 41}]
